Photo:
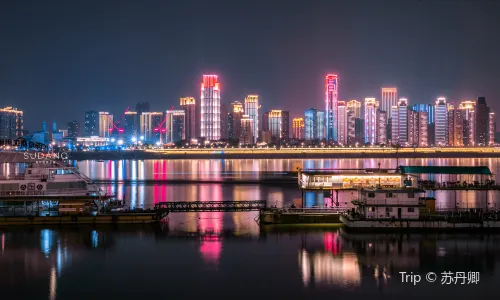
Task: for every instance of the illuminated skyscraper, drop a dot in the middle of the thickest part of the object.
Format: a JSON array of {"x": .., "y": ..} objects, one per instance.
[
  {"x": 331, "y": 102},
  {"x": 314, "y": 124},
  {"x": 468, "y": 109},
  {"x": 452, "y": 126},
  {"x": 482, "y": 120},
  {"x": 403, "y": 122},
  {"x": 491, "y": 129},
  {"x": 234, "y": 120},
  {"x": 278, "y": 124},
  {"x": 381, "y": 127},
  {"x": 298, "y": 128},
  {"x": 441, "y": 127},
  {"x": 188, "y": 104},
  {"x": 246, "y": 133},
  {"x": 252, "y": 110},
  {"x": 342, "y": 123},
  {"x": 11, "y": 123},
  {"x": 175, "y": 126},
  {"x": 210, "y": 124},
  {"x": 224, "y": 126},
  {"x": 151, "y": 128},
  {"x": 371, "y": 106},
  {"x": 389, "y": 98},
  {"x": 351, "y": 128},
  {"x": 105, "y": 124},
  {"x": 355, "y": 107}
]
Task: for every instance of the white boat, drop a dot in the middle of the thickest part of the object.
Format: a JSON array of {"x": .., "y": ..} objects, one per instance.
[
  {"x": 404, "y": 209},
  {"x": 49, "y": 179}
]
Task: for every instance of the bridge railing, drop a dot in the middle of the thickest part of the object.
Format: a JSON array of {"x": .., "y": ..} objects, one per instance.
[
  {"x": 211, "y": 205},
  {"x": 332, "y": 210}
]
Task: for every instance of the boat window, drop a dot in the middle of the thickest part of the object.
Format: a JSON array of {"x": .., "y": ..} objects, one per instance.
[
  {"x": 389, "y": 195},
  {"x": 29, "y": 172},
  {"x": 411, "y": 195},
  {"x": 371, "y": 195},
  {"x": 388, "y": 209},
  {"x": 411, "y": 209},
  {"x": 372, "y": 209}
]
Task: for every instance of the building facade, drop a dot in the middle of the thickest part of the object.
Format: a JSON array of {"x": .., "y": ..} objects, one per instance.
[
  {"x": 73, "y": 129},
  {"x": 131, "y": 125},
  {"x": 246, "y": 133},
  {"x": 298, "y": 128},
  {"x": 342, "y": 123},
  {"x": 331, "y": 102},
  {"x": 91, "y": 123},
  {"x": 278, "y": 124},
  {"x": 234, "y": 120},
  {"x": 105, "y": 124},
  {"x": 11, "y": 123},
  {"x": 389, "y": 99},
  {"x": 175, "y": 126},
  {"x": 381, "y": 127},
  {"x": 252, "y": 110},
  {"x": 371, "y": 106},
  {"x": 482, "y": 122},
  {"x": 210, "y": 124},
  {"x": 314, "y": 124},
  {"x": 151, "y": 128},
  {"x": 188, "y": 105},
  {"x": 441, "y": 124}
]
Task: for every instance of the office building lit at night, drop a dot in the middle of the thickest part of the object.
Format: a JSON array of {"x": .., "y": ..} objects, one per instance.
[
  {"x": 234, "y": 120},
  {"x": 210, "y": 122},
  {"x": 246, "y": 131},
  {"x": 331, "y": 109},
  {"x": 355, "y": 107},
  {"x": 252, "y": 110},
  {"x": 389, "y": 99},
  {"x": 441, "y": 127},
  {"x": 298, "y": 128},
  {"x": 105, "y": 124},
  {"x": 342, "y": 122},
  {"x": 278, "y": 124},
  {"x": 491, "y": 129},
  {"x": 314, "y": 124},
  {"x": 371, "y": 106},
  {"x": 151, "y": 126},
  {"x": 175, "y": 126},
  {"x": 188, "y": 104},
  {"x": 11, "y": 123},
  {"x": 468, "y": 109}
]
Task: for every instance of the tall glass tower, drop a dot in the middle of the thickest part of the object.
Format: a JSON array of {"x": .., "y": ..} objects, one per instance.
[
  {"x": 331, "y": 107},
  {"x": 210, "y": 124}
]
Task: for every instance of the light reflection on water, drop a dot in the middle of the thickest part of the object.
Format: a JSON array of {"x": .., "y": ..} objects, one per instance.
[
  {"x": 145, "y": 196},
  {"x": 333, "y": 260}
]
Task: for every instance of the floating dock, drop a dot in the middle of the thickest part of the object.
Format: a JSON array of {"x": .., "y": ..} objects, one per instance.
[{"x": 118, "y": 218}]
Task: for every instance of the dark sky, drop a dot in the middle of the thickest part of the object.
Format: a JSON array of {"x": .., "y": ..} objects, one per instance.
[{"x": 59, "y": 58}]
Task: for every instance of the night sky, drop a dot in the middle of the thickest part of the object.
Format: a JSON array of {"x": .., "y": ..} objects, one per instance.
[{"x": 59, "y": 58}]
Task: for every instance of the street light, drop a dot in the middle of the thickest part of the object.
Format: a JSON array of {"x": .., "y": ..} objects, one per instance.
[
  {"x": 134, "y": 139},
  {"x": 120, "y": 142},
  {"x": 142, "y": 137}
]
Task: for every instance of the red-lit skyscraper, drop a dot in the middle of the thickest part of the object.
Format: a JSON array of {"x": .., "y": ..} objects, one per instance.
[
  {"x": 331, "y": 102},
  {"x": 210, "y": 124}
]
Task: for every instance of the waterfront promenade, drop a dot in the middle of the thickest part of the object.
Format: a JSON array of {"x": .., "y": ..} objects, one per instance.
[{"x": 271, "y": 153}]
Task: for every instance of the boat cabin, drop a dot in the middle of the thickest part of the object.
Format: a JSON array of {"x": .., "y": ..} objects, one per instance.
[{"x": 389, "y": 204}]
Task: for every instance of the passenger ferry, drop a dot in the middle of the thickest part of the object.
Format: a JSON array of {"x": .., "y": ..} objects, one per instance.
[{"x": 49, "y": 179}]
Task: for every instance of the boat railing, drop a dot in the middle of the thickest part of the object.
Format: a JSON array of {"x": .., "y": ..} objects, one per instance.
[{"x": 331, "y": 210}]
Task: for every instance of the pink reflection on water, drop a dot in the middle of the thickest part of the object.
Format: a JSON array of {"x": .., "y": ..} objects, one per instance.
[{"x": 331, "y": 242}]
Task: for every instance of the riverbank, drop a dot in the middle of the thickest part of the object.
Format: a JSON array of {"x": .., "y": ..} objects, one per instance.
[{"x": 286, "y": 154}]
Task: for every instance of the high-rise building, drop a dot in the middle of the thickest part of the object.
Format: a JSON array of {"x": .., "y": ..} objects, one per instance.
[
  {"x": 342, "y": 122},
  {"x": 224, "y": 119},
  {"x": 360, "y": 131},
  {"x": 298, "y": 128},
  {"x": 141, "y": 107},
  {"x": 246, "y": 133},
  {"x": 418, "y": 135},
  {"x": 381, "y": 127},
  {"x": 468, "y": 109},
  {"x": 394, "y": 121},
  {"x": 491, "y": 129},
  {"x": 441, "y": 123},
  {"x": 175, "y": 126},
  {"x": 389, "y": 98},
  {"x": 314, "y": 124},
  {"x": 151, "y": 126},
  {"x": 331, "y": 102},
  {"x": 402, "y": 122},
  {"x": 371, "y": 106},
  {"x": 105, "y": 124},
  {"x": 234, "y": 120},
  {"x": 458, "y": 127},
  {"x": 188, "y": 104},
  {"x": 355, "y": 107},
  {"x": 11, "y": 123},
  {"x": 91, "y": 123},
  {"x": 427, "y": 108},
  {"x": 131, "y": 123},
  {"x": 252, "y": 110},
  {"x": 73, "y": 129},
  {"x": 451, "y": 125},
  {"x": 278, "y": 124},
  {"x": 351, "y": 128},
  {"x": 482, "y": 120},
  {"x": 210, "y": 125}
]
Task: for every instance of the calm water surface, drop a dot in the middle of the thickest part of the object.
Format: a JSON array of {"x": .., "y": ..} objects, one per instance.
[{"x": 144, "y": 262}]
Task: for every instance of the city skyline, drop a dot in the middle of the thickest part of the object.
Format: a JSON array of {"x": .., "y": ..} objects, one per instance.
[{"x": 140, "y": 53}]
